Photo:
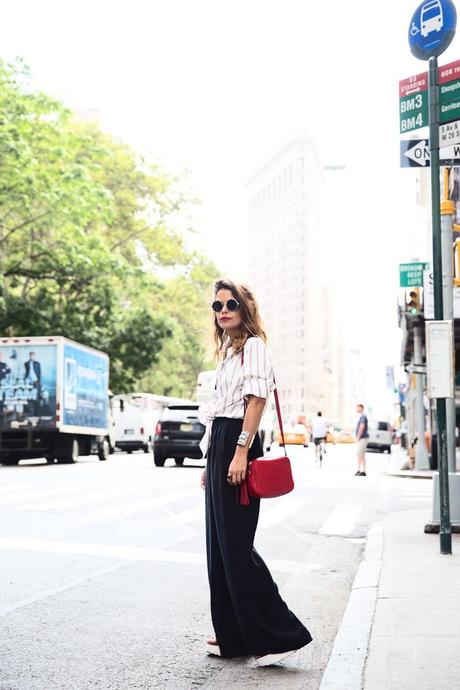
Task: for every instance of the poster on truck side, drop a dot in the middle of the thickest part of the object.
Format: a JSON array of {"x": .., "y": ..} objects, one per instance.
[
  {"x": 27, "y": 386},
  {"x": 85, "y": 388}
]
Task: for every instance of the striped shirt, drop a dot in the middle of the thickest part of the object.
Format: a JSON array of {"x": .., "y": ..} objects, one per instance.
[{"x": 236, "y": 380}]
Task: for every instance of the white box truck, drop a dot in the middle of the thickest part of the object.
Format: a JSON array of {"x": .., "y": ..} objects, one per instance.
[{"x": 53, "y": 400}]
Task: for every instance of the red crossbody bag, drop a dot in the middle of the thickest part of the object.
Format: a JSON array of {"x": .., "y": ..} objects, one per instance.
[{"x": 267, "y": 477}]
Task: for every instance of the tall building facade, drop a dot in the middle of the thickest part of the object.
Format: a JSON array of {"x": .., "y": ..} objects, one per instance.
[{"x": 285, "y": 271}]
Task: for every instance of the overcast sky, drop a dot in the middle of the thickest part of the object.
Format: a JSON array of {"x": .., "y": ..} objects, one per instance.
[{"x": 217, "y": 87}]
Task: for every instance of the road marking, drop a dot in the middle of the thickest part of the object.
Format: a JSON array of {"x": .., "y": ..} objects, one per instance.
[
  {"x": 133, "y": 553},
  {"x": 418, "y": 492},
  {"x": 14, "y": 487},
  {"x": 24, "y": 496},
  {"x": 413, "y": 497},
  {"x": 148, "y": 504},
  {"x": 270, "y": 515},
  {"x": 341, "y": 520},
  {"x": 76, "y": 501},
  {"x": 189, "y": 515}
]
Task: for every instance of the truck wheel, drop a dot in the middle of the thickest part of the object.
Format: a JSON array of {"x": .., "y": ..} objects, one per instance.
[
  {"x": 179, "y": 461},
  {"x": 159, "y": 460},
  {"x": 50, "y": 459},
  {"x": 75, "y": 451},
  {"x": 146, "y": 448},
  {"x": 104, "y": 450},
  {"x": 71, "y": 455}
]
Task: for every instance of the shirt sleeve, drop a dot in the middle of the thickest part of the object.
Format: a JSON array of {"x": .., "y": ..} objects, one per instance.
[{"x": 257, "y": 369}]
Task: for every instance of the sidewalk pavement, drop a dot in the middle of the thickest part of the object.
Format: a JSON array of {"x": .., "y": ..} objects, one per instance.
[{"x": 401, "y": 628}]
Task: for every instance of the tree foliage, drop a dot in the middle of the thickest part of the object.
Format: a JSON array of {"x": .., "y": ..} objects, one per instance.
[{"x": 86, "y": 230}]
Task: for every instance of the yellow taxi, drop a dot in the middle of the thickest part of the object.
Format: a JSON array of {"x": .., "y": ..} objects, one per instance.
[
  {"x": 344, "y": 437},
  {"x": 295, "y": 434}
]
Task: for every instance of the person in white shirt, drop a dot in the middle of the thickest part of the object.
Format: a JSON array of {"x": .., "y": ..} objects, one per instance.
[
  {"x": 319, "y": 433},
  {"x": 248, "y": 614}
]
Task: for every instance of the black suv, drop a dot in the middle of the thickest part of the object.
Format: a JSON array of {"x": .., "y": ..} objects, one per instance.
[{"x": 177, "y": 435}]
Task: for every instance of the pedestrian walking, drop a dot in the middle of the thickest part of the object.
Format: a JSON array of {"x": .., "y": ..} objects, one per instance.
[
  {"x": 362, "y": 439},
  {"x": 249, "y": 616}
]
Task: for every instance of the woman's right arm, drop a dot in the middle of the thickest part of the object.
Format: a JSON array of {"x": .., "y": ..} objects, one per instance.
[{"x": 203, "y": 479}]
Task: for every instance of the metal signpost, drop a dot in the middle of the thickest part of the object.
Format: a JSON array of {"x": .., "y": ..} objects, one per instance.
[{"x": 431, "y": 31}]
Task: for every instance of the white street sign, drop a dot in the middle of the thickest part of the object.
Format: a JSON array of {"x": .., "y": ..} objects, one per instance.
[
  {"x": 428, "y": 297},
  {"x": 419, "y": 153},
  {"x": 449, "y": 134},
  {"x": 416, "y": 153},
  {"x": 440, "y": 359}
]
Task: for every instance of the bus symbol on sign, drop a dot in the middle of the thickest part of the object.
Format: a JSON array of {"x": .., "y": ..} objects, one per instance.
[{"x": 431, "y": 18}]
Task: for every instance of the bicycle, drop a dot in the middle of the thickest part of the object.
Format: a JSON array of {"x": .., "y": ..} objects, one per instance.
[{"x": 320, "y": 449}]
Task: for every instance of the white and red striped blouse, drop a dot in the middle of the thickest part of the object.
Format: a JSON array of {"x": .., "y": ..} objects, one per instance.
[{"x": 237, "y": 379}]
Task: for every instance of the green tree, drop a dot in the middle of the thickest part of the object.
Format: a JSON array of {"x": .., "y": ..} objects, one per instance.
[{"x": 86, "y": 227}]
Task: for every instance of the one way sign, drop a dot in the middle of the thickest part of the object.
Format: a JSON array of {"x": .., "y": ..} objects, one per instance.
[{"x": 415, "y": 153}]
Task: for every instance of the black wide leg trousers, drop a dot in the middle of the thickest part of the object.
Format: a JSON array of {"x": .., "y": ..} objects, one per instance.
[{"x": 248, "y": 614}]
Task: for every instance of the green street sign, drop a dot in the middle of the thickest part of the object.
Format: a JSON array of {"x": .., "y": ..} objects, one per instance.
[
  {"x": 413, "y": 112},
  {"x": 411, "y": 275},
  {"x": 449, "y": 100}
]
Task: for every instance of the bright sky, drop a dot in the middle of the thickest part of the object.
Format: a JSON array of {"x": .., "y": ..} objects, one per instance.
[{"x": 217, "y": 87}]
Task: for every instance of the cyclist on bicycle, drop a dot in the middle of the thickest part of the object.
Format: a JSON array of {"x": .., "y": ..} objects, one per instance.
[{"x": 319, "y": 433}]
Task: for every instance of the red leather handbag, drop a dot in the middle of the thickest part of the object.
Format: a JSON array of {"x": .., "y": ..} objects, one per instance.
[{"x": 268, "y": 477}]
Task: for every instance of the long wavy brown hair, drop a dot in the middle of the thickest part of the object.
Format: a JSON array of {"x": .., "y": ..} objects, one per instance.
[{"x": 251, "y": 323}]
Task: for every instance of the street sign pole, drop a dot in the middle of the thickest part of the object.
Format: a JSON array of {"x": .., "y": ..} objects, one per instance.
[
  {"x": 447, "y": 240},
  {"x": 433, "y": 116}
]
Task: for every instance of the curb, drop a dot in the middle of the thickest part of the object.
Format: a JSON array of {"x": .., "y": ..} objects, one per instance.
[
  {"x": 412, "y": 474},
  {"x": 345, "y": 668}
]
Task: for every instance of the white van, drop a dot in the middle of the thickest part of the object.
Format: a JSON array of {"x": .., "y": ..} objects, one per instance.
[
  {"x": 205, "y": 385},
  {"x": 380, "y": 436},
  {"x": 135, "y": 416}
]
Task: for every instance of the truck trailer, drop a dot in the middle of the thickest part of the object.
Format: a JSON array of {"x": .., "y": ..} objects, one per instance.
[{"x": 54, "y": 400}]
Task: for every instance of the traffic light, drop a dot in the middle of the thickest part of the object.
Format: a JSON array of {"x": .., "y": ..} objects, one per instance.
[{"x": 413, "y": 300}]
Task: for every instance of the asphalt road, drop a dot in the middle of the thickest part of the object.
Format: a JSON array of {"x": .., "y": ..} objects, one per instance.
[{"x": 103, "y": 579}]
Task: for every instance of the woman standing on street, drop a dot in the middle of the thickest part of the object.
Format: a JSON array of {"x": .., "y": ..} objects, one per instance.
[{"x": 248, "y": 614}]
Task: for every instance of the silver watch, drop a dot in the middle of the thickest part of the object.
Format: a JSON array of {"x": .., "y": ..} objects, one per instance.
[{"x": 243, "y": 438}]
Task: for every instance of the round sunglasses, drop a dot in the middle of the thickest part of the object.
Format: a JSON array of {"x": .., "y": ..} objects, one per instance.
[{"x": 232, "y": 305}]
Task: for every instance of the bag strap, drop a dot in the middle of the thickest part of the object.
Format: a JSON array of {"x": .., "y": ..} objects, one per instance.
[{"x": 277, "y": 405}]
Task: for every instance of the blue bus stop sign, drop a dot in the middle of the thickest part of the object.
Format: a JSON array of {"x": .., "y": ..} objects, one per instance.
[{"x": 432, "y": 28}]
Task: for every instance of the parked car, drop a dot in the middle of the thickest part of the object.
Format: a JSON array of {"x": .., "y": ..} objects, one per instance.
[
  {"x": 380, "y": 436},
  {"x": 296, "y": 434},
  {"x": 178, "y": 434}
]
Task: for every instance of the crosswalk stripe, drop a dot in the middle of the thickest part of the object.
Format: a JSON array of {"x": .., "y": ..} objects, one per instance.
[
  {"x": 148, "y": 504},
  {"x": 416, "y": 498},
  {"x": 24, "y": 496},
  {"x": 76, "y": 500},
  {"x": 13, "y": 487},
  {"x": 189, "y": 515},
  {"x": 341, "y": 520},
  {"x": 270, "y": 515},
  {"x": 130, "y": 553}
]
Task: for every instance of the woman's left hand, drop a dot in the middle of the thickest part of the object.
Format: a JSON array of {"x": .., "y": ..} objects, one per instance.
[{"x": 237, "y": 469}]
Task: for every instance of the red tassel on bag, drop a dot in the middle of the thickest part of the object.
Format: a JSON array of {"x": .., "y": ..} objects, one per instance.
[{"x": 244, "y": 495}]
